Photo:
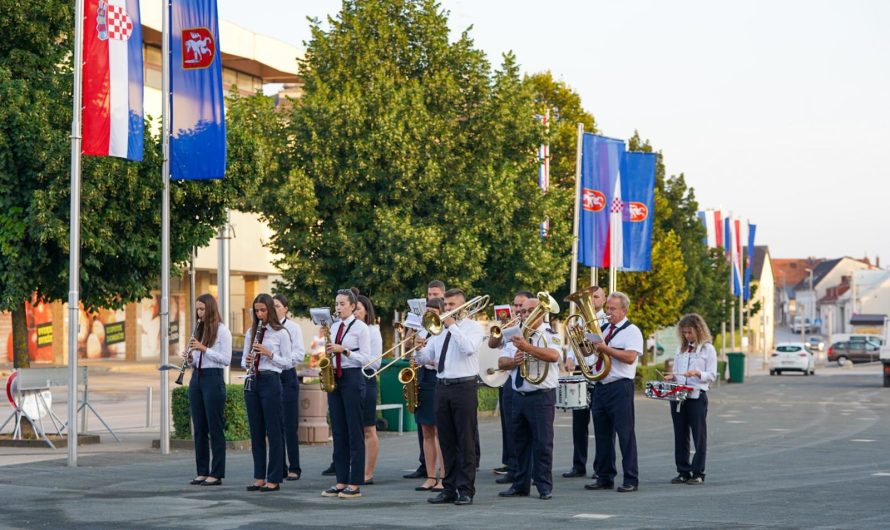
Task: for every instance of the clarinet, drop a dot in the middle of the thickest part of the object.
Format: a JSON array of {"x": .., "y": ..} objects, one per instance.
[
  {"x": 253, "y": 359},
  {"x": 185, "y": 362}
]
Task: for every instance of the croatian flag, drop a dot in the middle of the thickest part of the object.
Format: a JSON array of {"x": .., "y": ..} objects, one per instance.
[
  {"x": 600, "y": 165},
  {"x": 112, "y": 79},
  {"x": 544, "y": 171},
  {"x": 712, "y": 220},
  {"x": 734, "y": 235},
  {"x": 197, "y": 110}
]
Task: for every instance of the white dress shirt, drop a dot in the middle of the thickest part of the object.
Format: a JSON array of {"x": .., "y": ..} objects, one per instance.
[
  {"x": 217, "y": 356},
  {"x": 570, "y": 353},
  {"x": 545, "y": 338},
  {"x": 297, "y": 349},
  {"x": 631, "y": 339},
  {"x": 376, "y": 346},
  {"x": 277, "y": 342},
  {"x": 356, "y": 340},
  {"x": 702, "y": 358},
  {"x": 461, "y": 359}
]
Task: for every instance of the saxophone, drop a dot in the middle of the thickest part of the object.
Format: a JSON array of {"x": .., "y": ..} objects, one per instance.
[
  {"x": 326, "y": 375},
  {"x": 411, "y": 387}
]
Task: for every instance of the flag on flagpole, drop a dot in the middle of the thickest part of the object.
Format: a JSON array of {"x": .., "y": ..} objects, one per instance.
[
  {"x": 713, "y": 223},
  {"x": 544, "y": 171},
  {"x": 112, "y": 79},
  {"x": 752, "y": 229},
  {"x": 600, "y": 164},
  {"x": 197, "y": 115},
  {"x": 638, "y": 192}
]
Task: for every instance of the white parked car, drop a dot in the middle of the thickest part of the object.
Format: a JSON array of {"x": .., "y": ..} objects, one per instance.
[{"x": 792, "y": 357}]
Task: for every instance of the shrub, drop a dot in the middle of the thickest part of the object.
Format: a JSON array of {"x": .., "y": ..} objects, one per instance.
[
  {"x": 488, "y": 398},
  {"x": 234, "y": 414},
  {"x": 647, "y": 373}
]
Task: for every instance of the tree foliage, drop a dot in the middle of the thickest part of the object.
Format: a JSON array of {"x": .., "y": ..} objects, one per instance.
[
  {"x": 120, "y": 200},
  {"x": 411, "y": 160}
]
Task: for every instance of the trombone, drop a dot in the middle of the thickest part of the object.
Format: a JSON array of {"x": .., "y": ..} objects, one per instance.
[
  {"x": 433, "y": 322},
  {"x": 407, "y": 352}
]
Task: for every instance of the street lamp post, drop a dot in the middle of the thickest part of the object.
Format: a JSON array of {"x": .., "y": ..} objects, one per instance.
[{"x": 810, "y": 310}]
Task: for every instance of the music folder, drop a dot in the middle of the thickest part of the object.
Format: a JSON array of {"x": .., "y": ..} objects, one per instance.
[{"x": 321, "y": 316}]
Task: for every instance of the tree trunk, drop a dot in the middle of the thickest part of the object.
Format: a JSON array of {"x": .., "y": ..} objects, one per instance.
[{"x": 20, "y": 356}]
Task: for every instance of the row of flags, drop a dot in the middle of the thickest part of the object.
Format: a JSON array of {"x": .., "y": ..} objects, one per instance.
[
  {"x": 732, "y": 234},
  {"x": 617, "y": 205},
  {"x": 113, "y": 86}
]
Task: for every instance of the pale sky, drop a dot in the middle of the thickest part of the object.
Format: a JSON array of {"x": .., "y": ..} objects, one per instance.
[{"x": 776, "y": 110}]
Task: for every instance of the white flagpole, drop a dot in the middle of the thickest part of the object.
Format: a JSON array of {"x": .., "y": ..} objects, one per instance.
[
  {"x": 74, "y": 229},
  {"x": 165, "y": 233},
  {"x": 222, "y": 279},
  {"x": 613, "y": 252},
  {"x": 576, "y": 224}
]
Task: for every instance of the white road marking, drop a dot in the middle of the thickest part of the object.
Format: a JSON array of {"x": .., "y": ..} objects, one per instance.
[
  {"x": 779, "y": 430},
  {"x": 736, "y": 421},
  {"x": 881, "y": 474},
  {"x": 593, "y": 516},
  {"x": 863, "y": 440}
]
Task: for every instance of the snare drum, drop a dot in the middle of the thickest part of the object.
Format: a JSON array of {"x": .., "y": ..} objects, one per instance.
[
  {"x": 667, "y": 391},
  {"x": 572, "y": 393}
]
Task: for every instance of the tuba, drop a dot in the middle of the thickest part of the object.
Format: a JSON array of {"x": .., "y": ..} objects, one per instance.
[
  {"x": 531, "y": 363},
  {"x": 326, "y": 375},
  {"x": 586, "y": 322}
]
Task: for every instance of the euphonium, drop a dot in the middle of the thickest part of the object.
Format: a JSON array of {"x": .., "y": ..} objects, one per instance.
[
  {"x": 547, "y": 305},
  {"x": 587, "y": 322},
  {"x": 326, "y": 375}
]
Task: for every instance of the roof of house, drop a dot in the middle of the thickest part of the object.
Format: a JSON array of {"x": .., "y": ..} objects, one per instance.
[
  {"x": 792, "y": 271},
  {"x": 760, "y": 254},
  {"x": 865, "y": 319},
  {"x": 819, "y": 272}
]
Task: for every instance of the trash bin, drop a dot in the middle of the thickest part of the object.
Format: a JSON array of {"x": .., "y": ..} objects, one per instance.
[
  {"x": 391, "y": 393},
  {"x": 736, "y": 367},
  {"x": 313, "y": 427}
]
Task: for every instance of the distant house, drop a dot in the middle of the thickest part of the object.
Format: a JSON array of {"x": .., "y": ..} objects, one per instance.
[
  {"x": 865, "y": 301},
  {"x": 762, "y": 325},
  {"x": 788, "y": 273}
]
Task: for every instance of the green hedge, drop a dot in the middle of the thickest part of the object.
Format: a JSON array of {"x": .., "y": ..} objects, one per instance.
[
  {"x": 235, "y": 414},
  {"x": 488, "y": 398},
  {"x": 652, "y": 372}
]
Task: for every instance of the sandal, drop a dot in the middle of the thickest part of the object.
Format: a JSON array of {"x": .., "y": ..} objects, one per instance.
[{"x": 428, "y": 488}]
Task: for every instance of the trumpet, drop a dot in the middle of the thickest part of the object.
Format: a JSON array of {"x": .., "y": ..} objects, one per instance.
[
  {"x": 579, "y": 324},
  {"x": 497, "y": 330},
  {"x": 433, "y": 322},
  {"x": 547, "y": 305},
  {"x": 185, "y": 361},
  {"x": 253, "y": 359}
]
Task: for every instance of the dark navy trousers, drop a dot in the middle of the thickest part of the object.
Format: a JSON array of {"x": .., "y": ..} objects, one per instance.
[
  {"x": 508, "y": 456},
  {"x": 346, "y": 406},
  {"x": 457, "y": 424},
  {"x": 264, "y": 416},
  {"x": 613, "y": 414},
  {"x": 581, "y": 436},
  {"x": 690, "y": 418},
  {"x": 533, "y": 415},
  {"x": 207, "y": 400},
  {"x": 290, "y": 412}
]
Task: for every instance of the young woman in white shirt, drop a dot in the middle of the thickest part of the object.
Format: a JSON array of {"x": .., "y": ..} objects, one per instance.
[
  {"x": 364, "y": 311},
  {"x": 695, "y": 365}
]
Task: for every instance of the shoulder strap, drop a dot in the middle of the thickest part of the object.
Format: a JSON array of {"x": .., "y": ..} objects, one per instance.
[{"x": 617, "y": 331}]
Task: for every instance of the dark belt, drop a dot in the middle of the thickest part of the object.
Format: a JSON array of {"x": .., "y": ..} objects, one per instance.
[
  {"x": 600, "y": 383},
  {"x": 456, "y": 380},
  {"x": 269, "y": 372},
  {"x": 538, "y": 391}
]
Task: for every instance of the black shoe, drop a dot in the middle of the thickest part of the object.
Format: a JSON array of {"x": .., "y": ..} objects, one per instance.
[
  {"x": 574, "y": 474},
  {"x": 369, "y": 482},
  {"x": 546, "y": 496},
  {"x": 330, "y": 471},
  {"x": 254, "y": 487},
  {"x": 197, "y": 482},
  {"x": 463, "y": 500},
  {"x": 443, "y": 498},
  {"x": 503, "y": 470},
  {"x": 267, "y": 488},
  {"x": 626, "y": 488},
  {"x": 506, "y": 479},
  {"x": 513, "y": 493},
  {"x": 333, "y": 491},
  {"x": 293, "y": 477},
  {"x": 350, "y": 493},
  {"x": 599, "y": 486},
  {"x": 419, "y": 473},
  {"x": 217, "y": 482},
  {"x": 696, "y": 481},
  {"x": 680, "y": 479}
]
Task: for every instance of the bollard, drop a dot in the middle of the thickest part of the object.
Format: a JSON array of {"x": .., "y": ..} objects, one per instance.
[{"x": 148, "y": 406}]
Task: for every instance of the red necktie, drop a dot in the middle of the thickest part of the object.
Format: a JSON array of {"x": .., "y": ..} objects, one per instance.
[
  {"x": 599, "y": 361},
  {"x": 690, "y": 348},
  {"x": 340, "y": 333}
]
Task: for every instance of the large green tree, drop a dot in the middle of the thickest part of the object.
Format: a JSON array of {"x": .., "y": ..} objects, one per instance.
[
  {"x": 120, "y": 201},
  {"x": 411, "y": 160}
]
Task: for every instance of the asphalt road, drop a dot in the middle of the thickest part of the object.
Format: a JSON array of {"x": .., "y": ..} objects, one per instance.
[{"x": 784, "y": 452}]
